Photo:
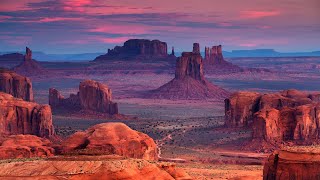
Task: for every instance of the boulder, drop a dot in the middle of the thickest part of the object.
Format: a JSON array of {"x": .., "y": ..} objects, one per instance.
[
  {"x": 111, "y": 138},
  {"x": 25, "y": 146},
  {"x": 92, "y": 96},
  {"x": 22, "y": 117},
  {"x": 293, "y": 163},
  {"x": 16, "y": 85}
]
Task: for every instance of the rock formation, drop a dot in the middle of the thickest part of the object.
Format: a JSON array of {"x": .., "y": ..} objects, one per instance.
[
  {"x": 136, "y": 49},
  {"x": 189, "y": 81},
  {"x": 111, "y": 138},
  {"x": 288, "y": 116},
  {"x": 24, "y": 146},
  {"x": 16, "y": 85},
  {"x": 196, "y": 48},
  {"x": 11, "y": 60},
  {"x": 22, "y": 117},
  {"x": 29, "y": 66},
  {"x": 90, "y": 168},
  {"x": 172, "y": 51},
  {"x": 92, "y": 96},
  {"x": 214, "y": 60},
  {"x": 293, "y": 163}
]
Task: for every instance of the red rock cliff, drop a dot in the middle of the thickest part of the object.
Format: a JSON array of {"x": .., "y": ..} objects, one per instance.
[
  {"x": 22, "y": 117},
  {"x": 16, "y": 85}
]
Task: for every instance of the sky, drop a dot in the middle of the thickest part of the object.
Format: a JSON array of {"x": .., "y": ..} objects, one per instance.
[{"x": 83, "y": 26}]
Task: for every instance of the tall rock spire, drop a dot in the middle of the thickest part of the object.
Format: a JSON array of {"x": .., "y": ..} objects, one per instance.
[{"x": 28, "y": 55}]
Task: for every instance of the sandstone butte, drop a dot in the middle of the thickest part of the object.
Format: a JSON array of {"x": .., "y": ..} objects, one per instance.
[
  {"x": 111, "y": 138},
  {"x": 138, "y": 49},
  {"x": 189, "y": 81},
  {"x": 21, "y": 117},
  {"x": 24, "y": 146},
  {"x": 16, "y": 85},
  {"x": 287, "y": 116},
  {"x": 92, "y": 95},
  {"x": 299, "y": 163},
  {"x": 91, "y": 168},
  {"x": 29, "y": 66}
]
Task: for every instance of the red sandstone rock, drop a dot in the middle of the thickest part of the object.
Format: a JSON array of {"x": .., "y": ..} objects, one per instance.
[
  {"x": 189, "y": 81},
  {"x": 298, "y": 163},
  {"x": 111, "y": 138},
  {"x": 92, "y": 95},
  {"x": 16, "y": 85},
  {"x": 91, "y": 168},
  {"x": 29, "y": 66},
  {"x": 22, "y": 117},
  {"x": 25, "y": 146}
]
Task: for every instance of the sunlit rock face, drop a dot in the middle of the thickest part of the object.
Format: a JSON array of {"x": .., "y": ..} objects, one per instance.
[
  {"x": 16, "y": 85},
  {"x": 21, "y": 117},
  {"x": 92, "y": 95}
]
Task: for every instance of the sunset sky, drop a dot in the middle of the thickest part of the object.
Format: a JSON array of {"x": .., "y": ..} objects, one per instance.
[{"x": 79, "y": 26}]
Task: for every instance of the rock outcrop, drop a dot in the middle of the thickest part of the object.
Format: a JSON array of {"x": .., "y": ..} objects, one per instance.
[
  {"x": 137, "y": 49},
  {"x": 24, "y": 146},
  {"x": 22, "y": 117},
  {"x": 288, "y": 116},
  {"x": 111, "y": 138},
  {"x": 92, "y": 96},
  {"x": 189, "y": 81},
  {"x": 214, "y": 61},
  {"x": 29, "y": 66},
  {"x": 90, "y": 168},
  {"x": 293, "y": 163},
  {"x": 11, "y": 60},
  {"x": 16, "y": 85}
]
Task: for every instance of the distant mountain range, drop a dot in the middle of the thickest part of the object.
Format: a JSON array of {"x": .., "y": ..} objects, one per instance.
[{"x": 40, "y": 56}]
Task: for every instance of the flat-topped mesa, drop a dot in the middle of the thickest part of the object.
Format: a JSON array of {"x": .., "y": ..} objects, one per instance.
[
  {"x": 16, "y": 85},
  {"x": 92, "y": 96},
  {"x": 189, "y": 65},
  {"x": 287, "y": 116},
  {"x": 22, "y": 117},
  {"x": 137, "y": 49},
  {"x": 214, "y": 55}
]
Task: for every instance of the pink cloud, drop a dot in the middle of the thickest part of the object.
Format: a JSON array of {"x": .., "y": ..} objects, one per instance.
[
  {"x": 121, "y": 29},
  {"x": 116, "y": 40},
  {"x": 55, "y": 19},
  {"x": 258, "y": 14}
]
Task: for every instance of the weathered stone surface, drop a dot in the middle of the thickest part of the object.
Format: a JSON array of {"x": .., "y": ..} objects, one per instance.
[
  {"x": 240, "y": 108},
  {"x": 29, "y": 66},
  {"x": 189, "y": 81},
  {"x": 196, "y": 48},
  {"x": 92, "y": 96},
  {"x": 111, "y": 138},
  {"x": 22, "y": 117},
  {"x": 285, "y": 117},
  {"x": 24, "y": 146},
  {"x": 137, "y": 49},
  {"x": 16, "y": 85},
  {"x": 300, "y": 163},
  {"x": 91, "y": 168}
]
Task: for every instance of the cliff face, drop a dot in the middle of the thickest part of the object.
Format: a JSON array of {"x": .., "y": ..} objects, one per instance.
[
  {"x": 189, "y": 81},
  {"x": 137, "y": 49},
  {"x": 92, "y": 96},
  {"x": 288, "y": 116},
  {"x": 16, "y": 85},
  {"x": 293, "y": 163},
  {"x": 22, "y": 117}
]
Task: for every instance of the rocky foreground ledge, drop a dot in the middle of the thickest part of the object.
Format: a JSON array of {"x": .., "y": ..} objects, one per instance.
[
  {"x": 293, "y": 163},
  {"x": 90, "y": 167}
]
